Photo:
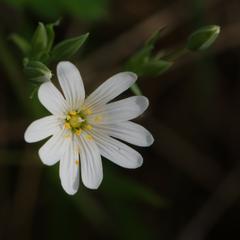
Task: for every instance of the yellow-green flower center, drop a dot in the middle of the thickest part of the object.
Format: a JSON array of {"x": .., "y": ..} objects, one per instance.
[{"x": 76, "y": 121}]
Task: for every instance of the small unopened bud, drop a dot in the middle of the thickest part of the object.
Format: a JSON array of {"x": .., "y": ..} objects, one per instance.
[
  {"x": 37, "y": 72},
  {"x": 203, "y": 38}
]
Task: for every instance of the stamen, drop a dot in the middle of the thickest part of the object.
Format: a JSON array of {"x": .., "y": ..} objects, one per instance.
[
  {"x": 68, "y": 117},
  {"x": 98, "y": 119},
  {"x": 67, "y": 125},
  {"x": 78, "y": 132},
  {"x": 88, "y": 127},
  {"x": 89, "y": 137},
  {"x": 73, "y": 113},
  {"x": 87, "y": 111},
  {"x": 77, "y": 162}
]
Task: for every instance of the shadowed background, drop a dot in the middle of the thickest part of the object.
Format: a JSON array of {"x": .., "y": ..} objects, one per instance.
[{"x": 189, "y": 185}]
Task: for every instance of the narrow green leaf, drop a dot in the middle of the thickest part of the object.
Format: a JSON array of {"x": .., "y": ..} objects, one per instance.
[
  {"x": 203, "y": 38},
  {"x": 66, "y": 49},
  {"x": 21, "y": 43}
]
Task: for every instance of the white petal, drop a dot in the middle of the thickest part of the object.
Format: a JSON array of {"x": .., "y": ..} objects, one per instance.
[
  {"x": 116, "y": 151},
  {"x": 91, "y": 163},
  {"x": 69, "y": 167},
  {"x": 120, "y": 111},
  {"x": 71, "y": 84},
  {"x": 110, "y": 89},
  {"x": 129, "y": 132},
  {"x": 42, "y": 128},
  {"x": 52, "y": 99},
  {"x": 51, "y": 151}
]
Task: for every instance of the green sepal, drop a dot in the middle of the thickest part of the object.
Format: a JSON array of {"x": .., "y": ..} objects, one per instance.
[
  {"x": 51, "y": 34},
  {"x": 39, "y": 42}
]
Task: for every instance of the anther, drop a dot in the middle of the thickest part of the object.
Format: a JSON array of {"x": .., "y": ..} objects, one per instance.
[
  {"x": 87, "y": 111},
  {"x": 78, "y": 132},
  {"x": 73, "y": 113},
  {"x": 89, "y": 137},
  {"x": 67, "y": 125},
  {"x": 98, "y": 119},
  {"x": 88, "y": 127}
]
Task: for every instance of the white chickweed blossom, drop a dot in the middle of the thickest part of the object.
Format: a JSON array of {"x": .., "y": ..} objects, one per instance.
[{"x": 82, "y": 129}]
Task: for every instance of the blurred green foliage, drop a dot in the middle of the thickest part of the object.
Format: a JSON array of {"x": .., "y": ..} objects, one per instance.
[
  {"x": 40, "y": 53},
  {"x": 120, "y": 199},
  {"x": 88, "y": 10},
  {"x": 146, "y": 63}
]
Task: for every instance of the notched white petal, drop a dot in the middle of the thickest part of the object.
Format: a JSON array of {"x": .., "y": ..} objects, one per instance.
[
  {"x": 117, "y": 152},
  {"x": 69, "y": 168},
  {"x": 71, "y": 83},
  {"x": 129, "y": 132},
  {"x": 91, "y": 163},
  {"x": 42, "y": 128},
  {"x": 120, "y": 111},
  {"x": 52, "y": 150},
  {"x": 52, "y": 99},
  {"x": 110, "y": 89}
]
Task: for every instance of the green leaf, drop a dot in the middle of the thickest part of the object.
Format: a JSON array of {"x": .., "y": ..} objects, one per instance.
[
  {"x": 66, "y": 49},
  {"x": 21, "y": 42},
  {"x": 39, "y": 41},
  {"x": 203, "y": 38},
  {"x": 37, "y": 72}
]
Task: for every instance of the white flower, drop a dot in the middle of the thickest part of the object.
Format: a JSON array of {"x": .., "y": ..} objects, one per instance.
[{"x": 82, "y": 129}]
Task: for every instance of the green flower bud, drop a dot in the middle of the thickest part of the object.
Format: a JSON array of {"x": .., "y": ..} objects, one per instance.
[
  {"x": 203, "y": 38},
  {"x": 37, "y": 72}
]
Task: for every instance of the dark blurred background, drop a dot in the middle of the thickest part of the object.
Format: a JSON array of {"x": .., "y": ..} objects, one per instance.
[{"x": 189, "y": 185}]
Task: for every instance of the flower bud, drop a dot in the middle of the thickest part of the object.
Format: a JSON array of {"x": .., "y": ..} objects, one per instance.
[
  {"x": 37, "y": 72},
  {"x": 203, "y": 38}
]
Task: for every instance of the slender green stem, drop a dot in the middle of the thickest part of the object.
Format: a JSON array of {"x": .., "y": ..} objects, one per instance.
[
  {"x": 176, "y": 54},
  {"x": 136, "y": 90}
]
